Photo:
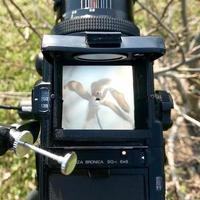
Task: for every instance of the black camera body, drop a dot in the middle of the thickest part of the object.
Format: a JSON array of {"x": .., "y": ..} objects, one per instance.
[
  {"x": 112, "y": 164},
  {"x": 97, "y": 98}
]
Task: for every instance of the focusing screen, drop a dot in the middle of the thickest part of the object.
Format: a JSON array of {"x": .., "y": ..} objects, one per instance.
[{"x": 98, "y": 97}]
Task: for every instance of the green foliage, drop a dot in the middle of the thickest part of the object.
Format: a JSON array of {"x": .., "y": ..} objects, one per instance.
[{"x": 17, "y": 74}]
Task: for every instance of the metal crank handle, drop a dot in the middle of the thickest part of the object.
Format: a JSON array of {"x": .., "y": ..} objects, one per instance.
[{"x": 68, "y": 162}]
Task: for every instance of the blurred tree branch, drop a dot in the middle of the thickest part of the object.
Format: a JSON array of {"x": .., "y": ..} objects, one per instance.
[
  {"x": 25, "y": 18},
  {"x": 5, "y": 3},
  {"x": 13, "y": 18},
  {"x": 171, "y": 156},
  {"x": 167, "y": 29},
  {"x": 187, "y": 61},
  {"x": 185, "y": 22}
]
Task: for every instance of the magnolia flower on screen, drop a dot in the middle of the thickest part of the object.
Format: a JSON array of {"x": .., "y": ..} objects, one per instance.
[{"x": 97, "y": 97}]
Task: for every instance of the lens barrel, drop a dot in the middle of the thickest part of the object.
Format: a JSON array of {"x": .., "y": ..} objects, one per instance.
[
  {"x": 113, "y": 8},
  {"x": 95, "y": 15}
]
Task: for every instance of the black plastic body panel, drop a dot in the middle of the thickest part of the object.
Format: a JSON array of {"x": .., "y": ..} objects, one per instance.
[
  {"x": 66, "y": 47},
  {"x": 100, "y": 188}
]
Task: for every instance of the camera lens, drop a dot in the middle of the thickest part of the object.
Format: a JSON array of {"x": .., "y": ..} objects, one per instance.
[
  {"x": 118, "y": 9},
  {"x": 96, "y": 15}
]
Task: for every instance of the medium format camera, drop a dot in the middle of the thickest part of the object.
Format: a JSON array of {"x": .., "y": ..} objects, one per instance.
[{"x": 97, "y": 98}]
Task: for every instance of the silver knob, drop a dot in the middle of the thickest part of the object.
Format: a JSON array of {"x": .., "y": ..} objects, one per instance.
[
  {"x": 68, "y": 163},
  {"x": 23, "y": 136}
]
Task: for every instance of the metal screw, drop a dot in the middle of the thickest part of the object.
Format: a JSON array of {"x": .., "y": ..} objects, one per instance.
[{"x": 124, "y": 153}]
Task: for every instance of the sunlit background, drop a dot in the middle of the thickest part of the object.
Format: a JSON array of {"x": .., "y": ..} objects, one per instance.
[{"x": 22, "y": 24}]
